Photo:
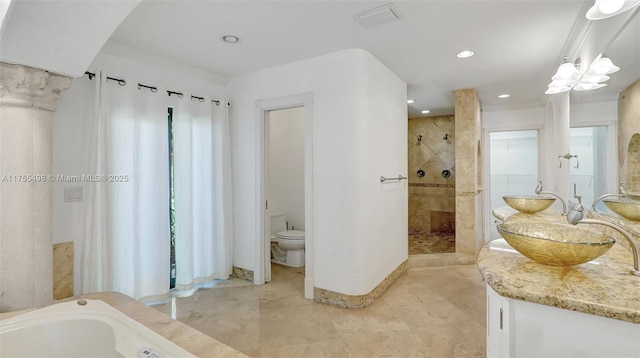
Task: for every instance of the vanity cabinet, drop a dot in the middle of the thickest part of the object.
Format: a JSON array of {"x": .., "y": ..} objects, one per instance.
[{"x": 523, "y": 329}]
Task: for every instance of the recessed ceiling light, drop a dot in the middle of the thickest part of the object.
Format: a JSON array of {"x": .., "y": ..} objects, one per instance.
[
  {"x": 465, "y": 54},
  {"x": 410, "y": 101},
  {"x": 506, "y": 95},
  {"x": 230, "y": 39},
  {"x": 426, "y": 111}
]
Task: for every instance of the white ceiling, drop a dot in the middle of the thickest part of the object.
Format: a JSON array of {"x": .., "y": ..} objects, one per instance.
[{"x": 518, "y": 44}]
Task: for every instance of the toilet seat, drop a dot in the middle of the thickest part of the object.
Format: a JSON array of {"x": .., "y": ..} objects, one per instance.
[{"x": 290, "y": 235}]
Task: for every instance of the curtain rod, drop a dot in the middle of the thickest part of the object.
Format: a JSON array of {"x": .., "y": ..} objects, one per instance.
[
  {"x": 153, "y": 89},
  {"x": 121, "y": 82},
  {"x": 179, "y": 94}
]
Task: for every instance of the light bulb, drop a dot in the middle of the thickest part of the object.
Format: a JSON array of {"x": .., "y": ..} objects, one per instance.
[
  {"x": 565, "y": 71},
  {"x": 554, "y": 90},
  {"x": 604, "y": 66},
  {"x": 610, "y": 6},
  {"x": 595, "y": 78},
  {"x": 588, "y": 86},
  {"x": 560, "y": 83},
  {"x": 604, "y": 9}
]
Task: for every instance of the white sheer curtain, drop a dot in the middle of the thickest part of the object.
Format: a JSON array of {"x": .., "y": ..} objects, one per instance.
[
  {"x": 202, "y": 185},
  {"x": 127, "y": 240}
]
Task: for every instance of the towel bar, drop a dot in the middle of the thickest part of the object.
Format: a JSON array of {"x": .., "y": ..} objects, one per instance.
[{"x": 384, "y": 179}]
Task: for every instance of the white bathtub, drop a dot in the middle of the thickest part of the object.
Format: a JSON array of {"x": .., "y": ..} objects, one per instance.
[{"x": 73, "y": 329}]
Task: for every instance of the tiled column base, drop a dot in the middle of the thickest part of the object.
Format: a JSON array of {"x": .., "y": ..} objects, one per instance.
[
  {"x": 243, "y": 274},
  {"x": 446, "y": 259},
  {"x": 358, "y": 301},
  {"x": 62, "y": 270}
]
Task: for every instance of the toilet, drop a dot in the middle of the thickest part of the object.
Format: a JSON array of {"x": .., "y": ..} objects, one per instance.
[{"x": 287, "y": 246}]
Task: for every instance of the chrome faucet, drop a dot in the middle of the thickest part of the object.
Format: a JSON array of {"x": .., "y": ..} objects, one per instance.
[
  {"x": 540, "y": 191},
  {"x": 621, "y": 190},
  {"x": 576, "y": 211},
  {"x": 622, "y": 193},
  {"x": 576, "y": 216}
]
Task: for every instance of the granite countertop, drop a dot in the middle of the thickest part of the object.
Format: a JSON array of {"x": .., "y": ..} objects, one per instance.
[
  {"x": 601, "y": 287},
  {"x": 195, "y": 342}
]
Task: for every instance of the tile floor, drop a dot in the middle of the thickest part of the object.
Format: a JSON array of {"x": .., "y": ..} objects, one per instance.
[
  {"x": 427, "y": 312},
  {"x": 431, "y": 244}
]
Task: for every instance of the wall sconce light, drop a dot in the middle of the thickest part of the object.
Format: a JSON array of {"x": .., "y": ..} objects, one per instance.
[
  {"x": 602, "y": 66},
  {"x": 603, "y": 9},
  {"x": 569, "y": 77}
]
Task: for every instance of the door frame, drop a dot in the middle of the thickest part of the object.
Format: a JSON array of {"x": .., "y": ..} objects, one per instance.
[{"x": 262, "y": 272}]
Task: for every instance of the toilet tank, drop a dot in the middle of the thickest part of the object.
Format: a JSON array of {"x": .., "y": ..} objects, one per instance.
[{"x": 278, "y": 222}]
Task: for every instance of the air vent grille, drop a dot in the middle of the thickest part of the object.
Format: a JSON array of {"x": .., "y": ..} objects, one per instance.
[{"x": 378, "y": 16}]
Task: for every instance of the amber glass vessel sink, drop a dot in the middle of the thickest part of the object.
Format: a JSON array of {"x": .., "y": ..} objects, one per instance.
[
  {"x": 528, "y": 204},
  {"x": 555, "y": 244},
  {"x": 628, "y": 209}
]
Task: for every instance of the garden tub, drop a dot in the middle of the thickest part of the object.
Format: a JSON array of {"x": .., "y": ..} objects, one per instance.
[{"x": 82, "y": 328}]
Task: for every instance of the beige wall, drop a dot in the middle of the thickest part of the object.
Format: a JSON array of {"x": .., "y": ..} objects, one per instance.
[
  {"x": 432, "y": 197},
  {"x": 629, "y": 137}
]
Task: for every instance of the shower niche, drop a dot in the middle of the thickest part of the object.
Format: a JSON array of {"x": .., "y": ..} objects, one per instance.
[{"x": 432, "y": 173}]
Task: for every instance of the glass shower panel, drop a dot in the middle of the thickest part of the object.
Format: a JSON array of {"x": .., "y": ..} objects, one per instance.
[
  {"x": 590, "y": 144},
  {"x": 513, "y": 167}
]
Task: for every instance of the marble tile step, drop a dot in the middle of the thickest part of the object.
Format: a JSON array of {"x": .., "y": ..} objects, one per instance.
[{"x": 446, "y": 259}]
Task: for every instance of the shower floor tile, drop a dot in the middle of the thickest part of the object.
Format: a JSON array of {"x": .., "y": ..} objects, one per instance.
[{"x": 431, "y": 244}]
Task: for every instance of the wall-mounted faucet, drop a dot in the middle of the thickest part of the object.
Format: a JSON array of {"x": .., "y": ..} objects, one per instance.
[
  {"x": 622, "y": 193},
  {"x": 568, "y": 157},
  {"x": 539, "y": 191},
  {"x": 576, "y": 216}
]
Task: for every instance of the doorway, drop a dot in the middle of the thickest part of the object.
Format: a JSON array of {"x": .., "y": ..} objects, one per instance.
[
  {"x": 513, "y": 167},
  {"x": 266, "y": 109},
  {"x": 589, "y": 170}
]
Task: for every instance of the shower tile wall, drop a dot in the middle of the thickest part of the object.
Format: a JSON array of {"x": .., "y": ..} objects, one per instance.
[
  {"x": 629, "y": 137},
  {"x": 431, "y": 197},
  {"x": 633, "y": 164}
]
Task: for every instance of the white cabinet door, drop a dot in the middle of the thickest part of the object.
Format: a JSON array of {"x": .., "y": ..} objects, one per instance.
[
  {"x": 523, "y": 329},
  {"x": 497, "y": 325},
  {"x": 545, "y": 331}
]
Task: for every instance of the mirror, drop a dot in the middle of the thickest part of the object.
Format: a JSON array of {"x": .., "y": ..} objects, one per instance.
[{"x": 624, "y": 51}]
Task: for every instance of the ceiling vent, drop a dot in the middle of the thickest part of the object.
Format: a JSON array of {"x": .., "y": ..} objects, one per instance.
[{"x": 378, "y": 16}]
